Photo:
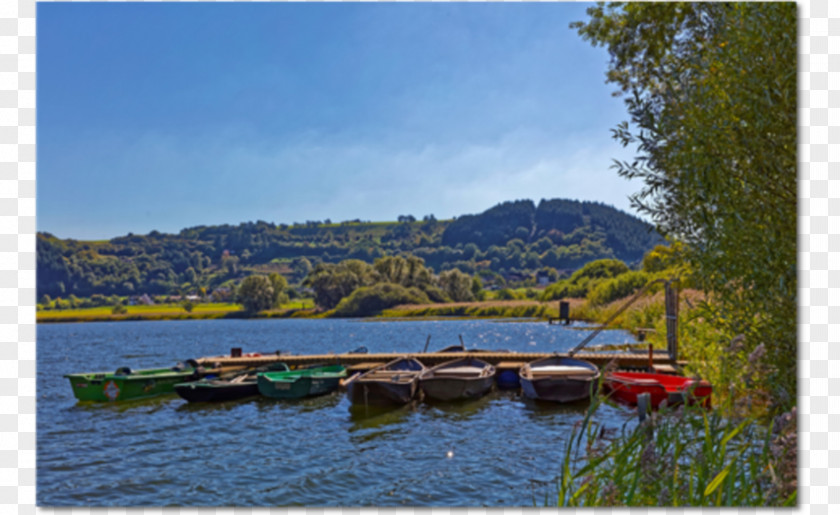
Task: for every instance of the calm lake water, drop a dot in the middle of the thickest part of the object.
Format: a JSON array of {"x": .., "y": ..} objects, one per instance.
[{"x": 501, "y": 450}]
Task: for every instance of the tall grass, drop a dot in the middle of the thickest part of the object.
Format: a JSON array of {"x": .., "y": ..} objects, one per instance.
[
  {"x": 686, "y": 456},
  {"x": 491, "y": 309}
]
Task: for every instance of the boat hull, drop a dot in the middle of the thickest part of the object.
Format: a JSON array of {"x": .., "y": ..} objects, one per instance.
[
  {"x": 298, "y": 384},
  {"x": 557, "y": 390},
  {"x": 507, "y": 380},
  {"x": 381, "y": 393},
  {"x": 559, "y": 379},
  {"x": 111, "y": 387},
  {"x": 663, "y": 389},
  {"x": 452, "y": 388},
  {"x": 394, "y": 383},
  {"x": 465, "y": 378},
  {"x": 216, "y": 391}
]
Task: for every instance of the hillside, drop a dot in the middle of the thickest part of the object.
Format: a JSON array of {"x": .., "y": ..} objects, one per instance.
[{"x": 513, "y": 239}]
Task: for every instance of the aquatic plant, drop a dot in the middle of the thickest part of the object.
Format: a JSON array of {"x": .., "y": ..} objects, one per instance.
[{"x": 684, "y": 456}]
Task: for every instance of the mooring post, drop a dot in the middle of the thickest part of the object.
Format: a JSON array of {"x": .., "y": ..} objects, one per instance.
[
  {"x": 642, "y": 404},
  {"x": 564, "y": 312},
  {"x": 672, "y": 305},
  {"x": 650, "y": 357}
]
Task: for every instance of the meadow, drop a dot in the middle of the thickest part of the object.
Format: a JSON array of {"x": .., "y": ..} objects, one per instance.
[{"x": 172, "y": 311}]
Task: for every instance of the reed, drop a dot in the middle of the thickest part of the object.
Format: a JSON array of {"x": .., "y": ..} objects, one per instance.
[
  {"x": 687, "y": 456},
  {"x": 487, "y": 309}
]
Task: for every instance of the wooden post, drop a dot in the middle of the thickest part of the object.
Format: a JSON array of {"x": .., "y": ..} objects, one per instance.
[
  {"x": 650, "y": 357},
  {"x": 671, "y": 316},
  {"x": 564, "y": 312},
  {"x": 642, "y": 404}
]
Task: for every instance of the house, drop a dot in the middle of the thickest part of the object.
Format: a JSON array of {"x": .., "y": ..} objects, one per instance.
[{"x": 140, "y": 300}]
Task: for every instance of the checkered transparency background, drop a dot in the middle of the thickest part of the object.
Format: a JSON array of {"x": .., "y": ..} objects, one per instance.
[{"x": 819, "y": 267}]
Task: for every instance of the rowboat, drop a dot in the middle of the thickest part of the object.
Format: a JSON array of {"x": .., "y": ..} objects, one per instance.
[
  {"x": 217, "y": 389},
  {"x": 670, "y": 389},
  {"x": 558, "y": 379},
  {"x": 392, "y": 383},
  {"x": 305, "y": 382},
  {"x": 125, "y": 383},
  {"x": 465, "y": 378}
]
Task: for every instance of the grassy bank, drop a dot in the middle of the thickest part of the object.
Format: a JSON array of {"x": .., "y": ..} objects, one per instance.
[
  {"x": 206, "y": 311},
  {"x": 488, "y": 309}
]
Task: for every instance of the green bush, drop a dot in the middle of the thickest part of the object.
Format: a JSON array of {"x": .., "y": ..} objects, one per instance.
[
  {"x": 434, "y": 293},
  {"x": 505, "y": 294},
  {"x": 585, "y": 279},
  {"x": 616, "y": 288},
  {"x": 370, "y": 300}
]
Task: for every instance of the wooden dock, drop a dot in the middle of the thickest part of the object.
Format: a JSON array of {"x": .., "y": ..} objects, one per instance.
[{"x": 502, "y": 360}]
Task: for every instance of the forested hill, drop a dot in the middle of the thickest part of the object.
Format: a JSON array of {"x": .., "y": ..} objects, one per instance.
[{"x": 513, "y": 239}]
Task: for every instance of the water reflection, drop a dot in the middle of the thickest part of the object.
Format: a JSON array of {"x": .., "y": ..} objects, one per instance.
[
  {"x": 207, "y": 407},
  {"x": 376, "y": 417},
  {"x": 457, "y": 410},
  {"x": 541, "y": 410},
  {"x": 150, "y": 404}
]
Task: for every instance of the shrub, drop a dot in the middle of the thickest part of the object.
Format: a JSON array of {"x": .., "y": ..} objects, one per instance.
[
  {"x": 370, "y": 300},
  {"x": 583, "y": 280},
  {"x": 616, "y": 288},
  {"x": 505, "y": 294}
]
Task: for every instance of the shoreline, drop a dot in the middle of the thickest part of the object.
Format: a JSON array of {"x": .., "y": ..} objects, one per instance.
[{"x": 514, "y": 310}]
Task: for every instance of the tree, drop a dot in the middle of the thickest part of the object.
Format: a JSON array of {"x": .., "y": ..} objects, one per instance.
[
  {"x": 457, "y": 285},
  {"x": 255, "y": 293},
  {"x": 711, "y": 93},
  {"x": 332, "y": 282},
  {"x": 279, "y": 284}
]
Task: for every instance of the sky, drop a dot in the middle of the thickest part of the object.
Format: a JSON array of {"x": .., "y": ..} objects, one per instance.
[{"x": 166, "y": 116}]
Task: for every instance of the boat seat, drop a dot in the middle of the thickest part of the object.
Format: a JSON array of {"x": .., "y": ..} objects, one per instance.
[
  {"x": 642, "y": 382},
  {"x": 561, "y": 370},
  {"x": 459, "y": 371}
]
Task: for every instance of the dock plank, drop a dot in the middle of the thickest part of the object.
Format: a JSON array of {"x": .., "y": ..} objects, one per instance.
[{"x": 505, "y": 360}]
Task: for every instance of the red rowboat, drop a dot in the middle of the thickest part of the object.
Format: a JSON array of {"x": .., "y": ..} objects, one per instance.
[{"x": 626, "y": 386}]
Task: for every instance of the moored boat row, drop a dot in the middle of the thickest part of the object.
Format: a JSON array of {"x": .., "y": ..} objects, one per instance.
[{"x": 556, "y": 379}]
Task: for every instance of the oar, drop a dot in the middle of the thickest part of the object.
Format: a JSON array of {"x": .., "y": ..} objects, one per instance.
[
  {"x": 428, "y": 339},
  {"x": 463, "y": 347},
  {"x": 350, "y": 379}
]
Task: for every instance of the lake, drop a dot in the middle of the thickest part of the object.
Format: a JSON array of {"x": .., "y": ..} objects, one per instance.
[{"x": 501, "y": 450}]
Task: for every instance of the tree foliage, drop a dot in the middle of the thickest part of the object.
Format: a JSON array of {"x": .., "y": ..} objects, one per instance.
[
  {"x": 557, "y": 233},
  {"x": 332, "y": 282},
  {"x": 457, "y": 285},
  {"x": 370, "y": 300},
  {"x": 711, "y": 93},
  {"x": 256, "y": 294},
  {"x": 583, "y": 280},
  {"x": 279, "y": 285}
]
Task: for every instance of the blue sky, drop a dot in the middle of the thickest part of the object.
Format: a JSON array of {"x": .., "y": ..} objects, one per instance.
[{"x": 165, "y": 116}]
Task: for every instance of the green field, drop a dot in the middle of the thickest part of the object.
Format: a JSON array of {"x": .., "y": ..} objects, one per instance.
[{"x": 166, "y": 312}]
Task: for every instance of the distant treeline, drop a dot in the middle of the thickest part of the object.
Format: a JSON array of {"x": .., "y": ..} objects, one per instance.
[{"x": 513, "y": 239}]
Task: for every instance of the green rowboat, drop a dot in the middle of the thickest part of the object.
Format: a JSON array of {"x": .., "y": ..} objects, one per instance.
[
  {"x": 296, "y": 384},
  {"x": 125, "y": 384}
]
